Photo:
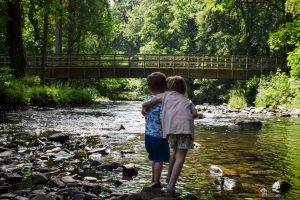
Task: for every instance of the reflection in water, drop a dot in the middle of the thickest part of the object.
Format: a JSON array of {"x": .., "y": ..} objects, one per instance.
[{"x": 260, "y": 157}]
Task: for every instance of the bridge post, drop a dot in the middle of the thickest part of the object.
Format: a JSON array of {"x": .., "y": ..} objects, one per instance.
[
  {"x": 188, "y": 65},
  {"x": 129, "y": 65},
  {"x": 114, "y": 65},
  {"x": 173, "y": 64},
  {"x": 246, "y": 67},
  {"x": 231, "y": 66},
  {"x": 217, "y": 66},
  {"x": 261, "y": 63},
  {"x": 158, "y": 62},
  {"x": 144, "y": 62}
]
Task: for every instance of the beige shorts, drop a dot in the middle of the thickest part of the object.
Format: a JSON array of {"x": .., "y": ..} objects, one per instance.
[{"x": 180, "y": 141}]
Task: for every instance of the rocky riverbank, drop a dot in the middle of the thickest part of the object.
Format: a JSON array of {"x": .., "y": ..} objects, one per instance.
[
  {"x": 62, "y": 167},
  {"x": 225, "y": 111}
]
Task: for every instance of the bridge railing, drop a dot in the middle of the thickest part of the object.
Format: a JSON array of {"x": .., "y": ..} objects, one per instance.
[
  {"x": 63, "y": 65},
  {"x": 148, "y": 60}
]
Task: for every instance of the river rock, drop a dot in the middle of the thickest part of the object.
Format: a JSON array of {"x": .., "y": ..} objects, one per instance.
[
  {"x": 281, "y": 186},
  {"x": 4, "y": 188},
  {"x": 59, "y": 137},
  {"x": 218, "y": 170},
  {"x": 295, "y": 112},
  {"x": 6, "y": 154},
  {"x": 85, "y": 195},
  {"x": 38, "y": 178},
  {"x": 55, "y": 182},
  {"x": 7, "y": 196},
  {"x": 13, "y": 178},
  {"x": 225, "y": 183},
  {"x": 190, "y": 197},
  {"x": 109, "y": 167},
  {"x": 68, "y": 179},
  {"x": 91, "y": 187},
  {"x": 248, "y": 122},
  {"x": 120, "y": 127},
  {"x": 90, "y": 179},
  {"x": 21, "y": 198},
  {"x": 62, "y": 155},
  {"x": 41, "y": 197},
  {"x": 130, "y": 170}
]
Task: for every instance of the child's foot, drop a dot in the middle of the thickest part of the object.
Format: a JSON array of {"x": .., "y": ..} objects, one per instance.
[
  {"x": 156, "y": 185},
  {"x": 167, "y": 179},
  {"x": 171, "y": 189}
]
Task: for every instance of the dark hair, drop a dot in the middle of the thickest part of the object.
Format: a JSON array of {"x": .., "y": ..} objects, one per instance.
[
  {"x": 157, "y": 81},
  {"x": 176, "y": 83}
]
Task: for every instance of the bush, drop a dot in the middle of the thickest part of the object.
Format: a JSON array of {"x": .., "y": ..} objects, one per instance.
[
  {"x": 211, "y": 91},
  {"x": 237, "y": 99},
  {"x": 295, "y": 89},
  {"x": 274, "y": 90}
]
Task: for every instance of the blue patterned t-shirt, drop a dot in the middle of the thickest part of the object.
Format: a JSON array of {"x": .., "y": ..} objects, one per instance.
[{"x": 153, "y": 124}]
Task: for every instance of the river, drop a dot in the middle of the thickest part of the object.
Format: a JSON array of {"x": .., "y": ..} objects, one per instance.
[{"x": 260, "y": 157}]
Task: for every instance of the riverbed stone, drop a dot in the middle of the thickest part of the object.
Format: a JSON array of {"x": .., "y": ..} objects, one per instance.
[
  {"x": 7, "y": 154},
  {"x": 59, "y": 137},
  {"x": 41, "y": 197},
  {"x": 91, "y": 187},
  {"x": 38, "y": 178},
  {"x": 55, "y": 182},
  {"x": 281, "y": 186},
  {"x": 130, "y": 170},
  {"x": 13, "y": 178},
  {"x": 295, "y": 112},
  {"x": 225, "y": 183}
]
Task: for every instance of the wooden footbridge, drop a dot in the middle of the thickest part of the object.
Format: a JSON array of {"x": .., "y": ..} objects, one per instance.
[{"x": 86, "y": 66}]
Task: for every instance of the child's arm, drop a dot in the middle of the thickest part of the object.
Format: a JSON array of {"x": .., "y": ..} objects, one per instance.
[
  {"x": 150, "y": 103},
  {"x": 194, "y": 111}
]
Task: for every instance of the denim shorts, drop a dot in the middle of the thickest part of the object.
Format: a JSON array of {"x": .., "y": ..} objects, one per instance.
[
  {"x": 180, "y": 141},
  {"x": 157, "y": 148}
]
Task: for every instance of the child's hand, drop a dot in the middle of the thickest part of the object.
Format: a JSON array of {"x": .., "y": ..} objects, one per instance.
[{"x": 144, "y": 111}]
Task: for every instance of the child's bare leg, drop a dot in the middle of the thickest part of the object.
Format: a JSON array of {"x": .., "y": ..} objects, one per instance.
[
  {"x": 153, "y": 172},
  {"x": 171, "y": 164},
  {"x": 177, "y": 167},
  {"x": 158, "y": 166}
]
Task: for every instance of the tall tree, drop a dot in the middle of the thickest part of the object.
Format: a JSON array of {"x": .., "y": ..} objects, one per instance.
[
  {"x": 14, "y": 37},
  {"x": 287, "y": 38},
  {"x": 58, "y": 32}
]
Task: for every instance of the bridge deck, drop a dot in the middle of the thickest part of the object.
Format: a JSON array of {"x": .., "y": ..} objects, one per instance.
[{"x": 140, "y": 65}]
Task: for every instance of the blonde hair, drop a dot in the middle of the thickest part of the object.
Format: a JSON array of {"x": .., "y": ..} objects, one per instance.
[{"x": 176, "y": 83}]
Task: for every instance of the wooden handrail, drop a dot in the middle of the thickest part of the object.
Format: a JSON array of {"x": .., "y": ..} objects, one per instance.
[{"x": 100, "y": 65}]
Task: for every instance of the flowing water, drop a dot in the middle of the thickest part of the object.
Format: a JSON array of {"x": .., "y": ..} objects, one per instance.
[{"x": 258, "y": 157}]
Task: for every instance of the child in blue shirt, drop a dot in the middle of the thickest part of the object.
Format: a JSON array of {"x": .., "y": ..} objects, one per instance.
[{"x": 156, "y": 146}]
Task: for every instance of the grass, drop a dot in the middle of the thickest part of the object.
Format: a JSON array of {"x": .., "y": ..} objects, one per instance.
[{"x": 237, "y": 99}]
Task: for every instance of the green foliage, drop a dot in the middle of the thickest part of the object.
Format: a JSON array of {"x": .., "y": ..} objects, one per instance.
[
  {"x": 293, "y": 7},
  {"x": 295, "y": 90},
  {"x": 211, "y": 91},
  {"x": 274, "y": 90},
  {"x": 237, "y": 99},
  {"x": 26, "y": 179},
  {"x": 129, "y": 89},
  {"x": 251, "y": 90},
  {"x": 28, "y": 91},
  {"x": 294, "y": 61}
]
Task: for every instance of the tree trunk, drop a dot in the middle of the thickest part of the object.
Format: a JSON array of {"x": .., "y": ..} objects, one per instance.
[
  {"x": 71, "y": 27},
  {"x": 58, "y": 33},
  {"x": 44, "y": 50},
  {"x": 34, "y": 22},
  {"x": 14, "y": 38}
]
